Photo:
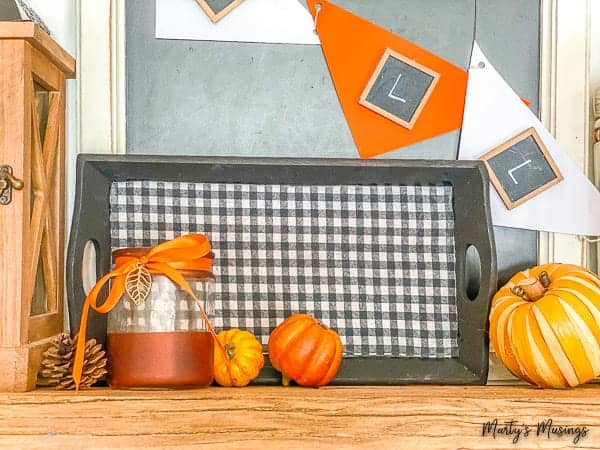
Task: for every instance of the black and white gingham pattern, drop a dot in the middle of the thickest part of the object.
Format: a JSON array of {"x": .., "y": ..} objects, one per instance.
[{"x": 376, "y": 263}]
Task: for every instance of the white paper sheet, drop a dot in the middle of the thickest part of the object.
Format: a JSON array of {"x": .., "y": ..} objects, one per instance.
[
  {"x": 270, "y": 21},
  {"x": 493, "y": 114}
]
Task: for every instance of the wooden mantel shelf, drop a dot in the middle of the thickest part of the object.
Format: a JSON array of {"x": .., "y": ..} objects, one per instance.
[{"x": 411, "y": 417}]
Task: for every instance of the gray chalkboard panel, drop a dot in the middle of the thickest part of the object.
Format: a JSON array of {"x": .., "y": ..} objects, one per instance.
[
  {"x": 217, "y": 9},
  {"x": 183, "y": 97},
  {"x": 399, "y": 88},
  {"x": 521, "y": 168}
]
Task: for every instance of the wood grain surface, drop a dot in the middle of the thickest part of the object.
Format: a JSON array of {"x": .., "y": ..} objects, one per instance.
[
  {"x": 33, "y": 33},
  {"x": 411, "y": 417},
  {"x": 33, "y": 70}
]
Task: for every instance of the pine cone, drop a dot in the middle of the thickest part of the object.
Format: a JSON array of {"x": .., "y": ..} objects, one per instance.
[{"x": 57, "y": 366}]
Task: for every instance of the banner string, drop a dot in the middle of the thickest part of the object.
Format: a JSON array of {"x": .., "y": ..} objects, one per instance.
[{"x": 318, "y": 7}]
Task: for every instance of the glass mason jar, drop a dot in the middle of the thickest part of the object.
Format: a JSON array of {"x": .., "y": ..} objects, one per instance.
[{"x": 163, "y": 342}]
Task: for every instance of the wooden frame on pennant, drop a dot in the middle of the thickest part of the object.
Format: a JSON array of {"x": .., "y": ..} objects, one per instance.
[
  {"x": 530, "y": 132},
  {"x": 373, "y": 107},
  {"x": 215, "y": 17}
]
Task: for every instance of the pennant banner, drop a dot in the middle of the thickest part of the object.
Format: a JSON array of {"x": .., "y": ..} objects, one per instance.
[
  {"x": 494, "y": 113},
  {"x": 271, "y": 21},
  {"x": 354, "y": 48}
]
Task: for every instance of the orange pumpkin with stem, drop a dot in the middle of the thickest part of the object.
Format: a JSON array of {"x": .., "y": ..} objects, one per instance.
[
  {"x": 242, "y": 359},
  {"x": 545, "y": 325},
  {"x": 305, "y": 350}
]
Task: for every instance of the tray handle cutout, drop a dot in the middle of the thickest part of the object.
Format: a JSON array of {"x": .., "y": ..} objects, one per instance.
[
  {"x": 89, "y": 265},
  {"x": 472, "y": 272}
]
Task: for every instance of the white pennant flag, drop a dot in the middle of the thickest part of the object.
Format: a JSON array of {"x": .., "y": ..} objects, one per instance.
[
  {"x": 494, "y": 113},
  {"x": 271, "y": 21}
]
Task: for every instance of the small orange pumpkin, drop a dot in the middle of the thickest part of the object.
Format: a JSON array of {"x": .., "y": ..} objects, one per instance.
[
  {"x": 242, "y": 360},
  {"x": 305, "y": 350},
  {"x": 545, "y": 325}
]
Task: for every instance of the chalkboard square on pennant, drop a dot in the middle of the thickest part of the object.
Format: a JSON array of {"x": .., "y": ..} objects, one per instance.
[
  {"x": 399, "y": 88},
  {"x": 217, "y": 9},
  {"x": 521, "y": 168}
]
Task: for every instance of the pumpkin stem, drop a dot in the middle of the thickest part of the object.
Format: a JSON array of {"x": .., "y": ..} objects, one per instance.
[
  {"x": 545, "y": 279},
  {"x": 230, "y": 350},
  {"x": 532, "y": 289},
  {"x": 285, "y": 381}
]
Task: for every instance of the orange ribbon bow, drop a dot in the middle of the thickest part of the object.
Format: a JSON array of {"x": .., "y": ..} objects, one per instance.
[{"x": 191, "y": 252}]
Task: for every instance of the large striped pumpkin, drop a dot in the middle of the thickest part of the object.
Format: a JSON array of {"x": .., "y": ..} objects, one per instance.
[{"x": 545, "y": 325}]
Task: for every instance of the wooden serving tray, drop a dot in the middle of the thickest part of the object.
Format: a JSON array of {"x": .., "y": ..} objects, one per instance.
[{"x": 475, "y": 278}]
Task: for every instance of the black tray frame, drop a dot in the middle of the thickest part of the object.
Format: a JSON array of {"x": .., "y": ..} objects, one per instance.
[{"x": 473, "y": 227}]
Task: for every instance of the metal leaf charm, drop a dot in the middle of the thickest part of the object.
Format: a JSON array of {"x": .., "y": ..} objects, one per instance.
[{"x": 138, "y": 284}]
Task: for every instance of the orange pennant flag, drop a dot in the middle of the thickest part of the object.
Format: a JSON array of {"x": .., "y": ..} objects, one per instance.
[{"x": 354, "y": 48}]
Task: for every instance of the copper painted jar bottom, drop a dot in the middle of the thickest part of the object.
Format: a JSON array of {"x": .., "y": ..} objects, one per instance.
[{"x": 164, "y": 359}]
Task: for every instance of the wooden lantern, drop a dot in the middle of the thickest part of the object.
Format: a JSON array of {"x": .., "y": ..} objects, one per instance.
[{"x": 32, "y": 198}]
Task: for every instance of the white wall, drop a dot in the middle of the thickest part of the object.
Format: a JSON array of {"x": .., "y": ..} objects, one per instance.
[
  {"x": 594, "y": 52},
  {"x": 595, "y": 47},
  {"x": 61, "y": 18},
  {"x": 595, "y": 85}
]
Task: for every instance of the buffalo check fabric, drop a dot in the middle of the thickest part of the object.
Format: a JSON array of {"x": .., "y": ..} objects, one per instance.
[{"x": 374, "y": 262}]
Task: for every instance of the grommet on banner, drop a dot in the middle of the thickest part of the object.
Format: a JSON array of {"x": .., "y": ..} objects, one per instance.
[{"x": 480, "y": 65}]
